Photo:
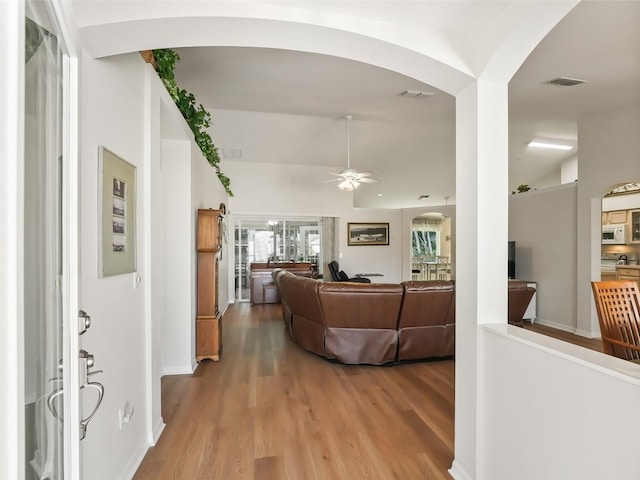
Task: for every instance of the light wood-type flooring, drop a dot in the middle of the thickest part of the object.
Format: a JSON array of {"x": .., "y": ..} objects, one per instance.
[{"x": 271, "y": 411}]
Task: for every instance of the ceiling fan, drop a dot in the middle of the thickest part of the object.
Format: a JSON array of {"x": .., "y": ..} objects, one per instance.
[{"x": 349, "y": 178}]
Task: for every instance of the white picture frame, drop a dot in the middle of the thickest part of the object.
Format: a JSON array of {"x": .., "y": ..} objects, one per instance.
[{"x": 116, "y": 214}]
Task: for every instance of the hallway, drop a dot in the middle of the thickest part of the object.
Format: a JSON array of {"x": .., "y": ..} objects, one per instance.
[{"x": 270, "y": 411}]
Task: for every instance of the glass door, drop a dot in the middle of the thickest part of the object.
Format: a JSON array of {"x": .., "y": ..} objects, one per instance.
[
  {"x": 263, "y": 239},
  {"x": 43, "y": 246}
]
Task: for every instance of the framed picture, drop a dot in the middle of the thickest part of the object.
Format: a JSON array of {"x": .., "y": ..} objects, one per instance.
[
  {"x": 367, "y": 234},
  {"x": 116, "y": 214}
]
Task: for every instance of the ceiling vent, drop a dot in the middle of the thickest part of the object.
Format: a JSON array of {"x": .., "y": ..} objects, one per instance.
[
  {"x": 417, "y": 94},
  {"x": 564, "y": 82},
  {"x": 231, "y": 153}
]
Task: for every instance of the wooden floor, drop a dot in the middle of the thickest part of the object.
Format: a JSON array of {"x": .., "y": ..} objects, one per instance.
[
  {"x": 590, "y": 343},
  {"x": 270, "y": 411}
]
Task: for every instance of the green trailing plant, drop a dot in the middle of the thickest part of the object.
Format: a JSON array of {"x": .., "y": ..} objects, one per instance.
[
  {"x": 522, "y": 188},
  {"x": 196, "y": 116}
]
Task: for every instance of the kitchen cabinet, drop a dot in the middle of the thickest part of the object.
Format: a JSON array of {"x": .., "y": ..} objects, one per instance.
[
  {"x": 208, "y": 319},
  {"x": 629, "y": 272},
  {"x": 614, "y": 216},
  {"x": 635, "y": 225}
]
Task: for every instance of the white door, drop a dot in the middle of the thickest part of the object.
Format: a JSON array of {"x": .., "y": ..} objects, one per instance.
[{"x": 52, "y": 420}]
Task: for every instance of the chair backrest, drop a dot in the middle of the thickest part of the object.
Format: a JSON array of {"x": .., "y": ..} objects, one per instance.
[
  {"x": 617, "y": 304},
  {"x": 334, "y": 268},
  {"x": 519, "y": 297}
]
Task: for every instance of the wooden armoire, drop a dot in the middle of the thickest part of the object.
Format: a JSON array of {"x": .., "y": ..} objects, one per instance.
[{"x": 208, "y": 320}]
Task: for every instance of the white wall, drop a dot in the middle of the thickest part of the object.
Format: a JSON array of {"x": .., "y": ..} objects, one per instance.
[
  {"x": 569, "y": 170},
  {"x": 296, "y": 190},
  {"x": 622, "y": 202},
  {"x": 609, "y": 146},
  {"x": 543, "y": 225},
  {"x": 551, "y": 410},
  {"x": 549, "y": 180},
  {"x": 383, "y": 259},
  {"x": 137, "y": 333},
  {"x": 112, "y": 114},
  {"x": 177, "y": 355}
]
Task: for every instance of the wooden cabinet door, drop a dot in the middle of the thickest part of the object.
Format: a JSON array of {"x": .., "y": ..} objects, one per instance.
[
  {"x": 635, "y": 226},
  {"x": 208, "y": 234},
  {"x": 617, "y": 216},
  {"x": 208, "y": 320},
  {"x": 208, "y": 345}
]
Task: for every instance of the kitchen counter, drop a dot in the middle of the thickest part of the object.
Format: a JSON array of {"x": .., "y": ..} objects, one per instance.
[{"x": 635, "y": 267}]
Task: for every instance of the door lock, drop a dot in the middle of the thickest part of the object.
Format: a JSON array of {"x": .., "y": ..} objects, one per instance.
[{"x": 84, "y": 322}]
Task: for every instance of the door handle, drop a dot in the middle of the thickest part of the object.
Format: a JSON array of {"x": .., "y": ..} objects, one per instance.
[
  {"x": 85, "y": 421},
  {"x": 50, "y": 399}
]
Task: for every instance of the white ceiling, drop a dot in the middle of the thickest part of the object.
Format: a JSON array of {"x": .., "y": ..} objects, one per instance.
[{"x": 282, "y": 106}]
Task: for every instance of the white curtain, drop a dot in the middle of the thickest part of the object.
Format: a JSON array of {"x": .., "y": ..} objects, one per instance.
[
  {"x": 427, "y": 224},
  {"x": 329, "y": 248}
]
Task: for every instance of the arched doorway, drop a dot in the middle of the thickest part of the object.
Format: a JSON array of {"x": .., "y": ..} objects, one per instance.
[
  {"x": 620, "y": 248},
  {"x": 431, "y": 247}
]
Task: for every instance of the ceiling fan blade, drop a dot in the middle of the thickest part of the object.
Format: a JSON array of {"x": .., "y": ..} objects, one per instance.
[
  {"x": 368, "y": 180},
  {"x": 337, "y": 174},
  {"x": 331, "y": 180},
  {"x": 366, "y": 174}
]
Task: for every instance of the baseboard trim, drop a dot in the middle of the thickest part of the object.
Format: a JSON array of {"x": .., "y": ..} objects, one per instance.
[
  {"x": 586, "y": 333},
  {"x": 459, "y": 473},
  {"x": 566, "y": 328},
  {"x": 186, "y": 370},
  {"x": 133, "y": 466},
  {"x": 158, "y": 428},
  {"x": 557, "y": 326}
]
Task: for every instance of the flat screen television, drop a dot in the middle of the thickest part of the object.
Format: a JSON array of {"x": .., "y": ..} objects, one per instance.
[{"x": 511, "y": 262}]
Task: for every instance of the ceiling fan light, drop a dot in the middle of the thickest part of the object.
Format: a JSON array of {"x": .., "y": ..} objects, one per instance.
[{"x": 348, "y": 184}]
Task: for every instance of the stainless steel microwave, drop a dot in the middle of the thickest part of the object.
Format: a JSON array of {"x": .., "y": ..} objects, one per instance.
[{"x": 615, "y": 234}]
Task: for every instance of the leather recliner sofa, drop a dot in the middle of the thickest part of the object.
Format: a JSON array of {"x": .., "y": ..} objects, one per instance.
[
  {"x": 358, "y": 323},
  {"x": 376, "y": 323}
]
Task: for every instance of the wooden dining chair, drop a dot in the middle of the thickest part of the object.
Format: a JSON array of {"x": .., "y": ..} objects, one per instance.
[
  {"x": 443, "y": 267},
  {"x": 618, "y": 307}
]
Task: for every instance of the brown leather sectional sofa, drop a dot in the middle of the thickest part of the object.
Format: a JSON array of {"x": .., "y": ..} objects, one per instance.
[
  {"x": 369, "y": 323},
  {"x": 377, "y": 323}
]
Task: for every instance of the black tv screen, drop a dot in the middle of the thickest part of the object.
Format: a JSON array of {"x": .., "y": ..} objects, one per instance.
[{"x": 511, "y": 262}]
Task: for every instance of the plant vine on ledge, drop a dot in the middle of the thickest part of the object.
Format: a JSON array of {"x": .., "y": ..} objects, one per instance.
[{"x": 196, "y": 117}]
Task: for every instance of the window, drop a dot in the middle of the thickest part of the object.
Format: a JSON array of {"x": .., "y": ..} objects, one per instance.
[{"x": 263, "y": 239}]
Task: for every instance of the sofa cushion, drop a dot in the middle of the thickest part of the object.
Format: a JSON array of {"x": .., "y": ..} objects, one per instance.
[
  {"x": 278, "y": 274},
  {"x": 307, "y": 323},
  {"x": 426, "y": 327},
  {"x": 361, "y": 321}
]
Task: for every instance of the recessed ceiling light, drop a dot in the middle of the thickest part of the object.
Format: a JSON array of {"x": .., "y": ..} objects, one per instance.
[
  {"x": 549, "y": 144},
  {"x": 379, "y": 194}
]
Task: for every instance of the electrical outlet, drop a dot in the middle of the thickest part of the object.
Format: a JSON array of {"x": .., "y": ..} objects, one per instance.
[
  {"x": 120, "y": 414},
  {"x": 124, "y": 414},
  {"x": 137, "y": 280}
]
